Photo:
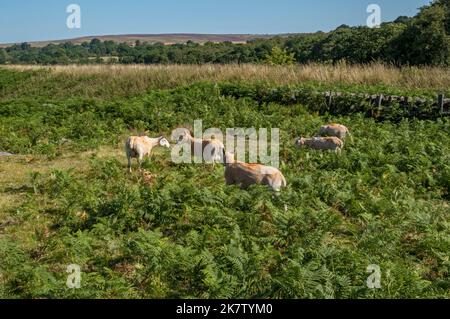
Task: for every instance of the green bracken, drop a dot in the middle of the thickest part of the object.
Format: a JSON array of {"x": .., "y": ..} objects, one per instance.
[{"x": 184, "y": 234}]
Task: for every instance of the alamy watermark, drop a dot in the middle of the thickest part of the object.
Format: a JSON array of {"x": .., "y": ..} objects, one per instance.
[
  {"x": 234, "y": 141},
  {"x": 74, "y": 19},
  {"x": 374, "y": 19},
  {"x": 74, "y": 277},
  {"x": 374, "y": 280}
]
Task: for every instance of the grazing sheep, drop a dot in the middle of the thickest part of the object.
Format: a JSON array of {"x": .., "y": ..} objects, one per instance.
[
  {"x": 212, "y": 149},
  {"x": 245, "y": 175},
  {"x": 6, "y": 154},
  {"x": 336, "y": 130},
  {"x": 322, "y": 143},
  {"x": 141, "y": 146}
]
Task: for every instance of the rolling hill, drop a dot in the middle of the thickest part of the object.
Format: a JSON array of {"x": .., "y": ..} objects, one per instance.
[{"x": 162, "y": 38}]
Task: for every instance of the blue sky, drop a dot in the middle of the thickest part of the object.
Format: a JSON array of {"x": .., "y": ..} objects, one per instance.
[{"x": 32, "y": 20}]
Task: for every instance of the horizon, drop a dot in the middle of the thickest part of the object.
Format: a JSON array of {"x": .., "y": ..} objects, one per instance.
[
  {"x": 28, "y": 21},
  {"x": 158, "y": 34}
]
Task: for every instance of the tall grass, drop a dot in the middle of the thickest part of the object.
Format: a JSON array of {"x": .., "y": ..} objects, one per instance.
[{"x": 127, "y": 80}]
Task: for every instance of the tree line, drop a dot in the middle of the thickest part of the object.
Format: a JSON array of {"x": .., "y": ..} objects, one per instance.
[{"x": 420, "y": 40}]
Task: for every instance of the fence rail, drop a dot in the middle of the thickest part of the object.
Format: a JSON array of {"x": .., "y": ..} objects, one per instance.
[
  {"x": 381, "y": 100},
  {"x": 380, "y": 106}
]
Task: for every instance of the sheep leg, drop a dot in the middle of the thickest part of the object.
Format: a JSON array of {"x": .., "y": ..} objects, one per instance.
[
  {"x": 149, "y": 157},
  {"x": 129, "y": 163},
  {"x": 140, "y": 159},
  {"x": 229, "y": 180},
  {"x": 272, "y": 183}
]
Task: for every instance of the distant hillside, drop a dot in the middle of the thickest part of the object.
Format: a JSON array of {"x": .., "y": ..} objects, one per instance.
[{"x": 161, "y": 38}]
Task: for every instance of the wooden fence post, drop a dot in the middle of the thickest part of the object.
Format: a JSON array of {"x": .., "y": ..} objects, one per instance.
[
  {"x": 330, "y": 102},
  {"x": 330, "y": 99},
  {"x": 406, "y": 107},
  {"x": 441, "y": 102},
  {"x": 378, "y": 104}
]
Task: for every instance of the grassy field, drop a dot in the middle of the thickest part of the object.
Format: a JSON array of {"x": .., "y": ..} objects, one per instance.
[
  {"x": 115, "y": 81},
  {"x": 178, "y": 231}
]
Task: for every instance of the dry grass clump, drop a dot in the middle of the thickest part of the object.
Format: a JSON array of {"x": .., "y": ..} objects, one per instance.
[{"x": 147, "y": 177}]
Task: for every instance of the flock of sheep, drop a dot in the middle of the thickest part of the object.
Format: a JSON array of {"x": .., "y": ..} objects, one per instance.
[{"x": 330, "y": 137}]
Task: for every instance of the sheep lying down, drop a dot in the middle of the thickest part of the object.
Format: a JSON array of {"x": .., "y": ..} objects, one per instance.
[
  {"x": 322, "y": 143},
  {"x": 245, "y": 175}
]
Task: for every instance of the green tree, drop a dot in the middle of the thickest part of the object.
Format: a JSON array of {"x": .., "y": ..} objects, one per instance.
[
  {"x": 3, "y": 57},
  {"x": 279, "y": 56},
  {"x": 445, "y": 4},
  {"x": 25, "y": 46},
  {"x": 403, "y": 20},
  {"x": 425, "y": 41}
]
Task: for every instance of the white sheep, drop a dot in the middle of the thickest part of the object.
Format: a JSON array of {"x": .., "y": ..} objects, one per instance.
[
  {"x": 212, "y": 149},
  {"x": 337, "y": 130},
  {"x": 141, "y": 146}
]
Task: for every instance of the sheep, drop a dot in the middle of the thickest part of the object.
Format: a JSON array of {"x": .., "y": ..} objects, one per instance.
[
  {"x": 212, "y": 149},
  {"x": 322, "y": 143},
  {"x": 336, "y": 130},
  {"x": 245, "y": 175},
  {"x": 6, "y": 154},
  {"x": 141, "y": 146}
]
